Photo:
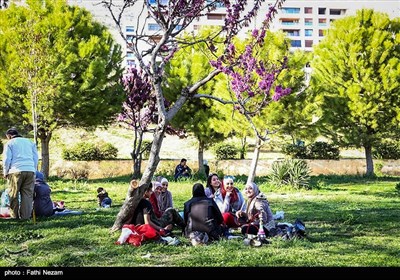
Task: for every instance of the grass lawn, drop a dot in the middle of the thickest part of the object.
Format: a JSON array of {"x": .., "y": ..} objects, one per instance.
[{"x": 350, "y": 222}]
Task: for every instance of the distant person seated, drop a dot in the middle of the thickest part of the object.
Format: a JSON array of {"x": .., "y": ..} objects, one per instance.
[
  {"x": 182, "y": 170},
  {"x": 42, "y": 203},
  {"x": 103, "y": 198}
]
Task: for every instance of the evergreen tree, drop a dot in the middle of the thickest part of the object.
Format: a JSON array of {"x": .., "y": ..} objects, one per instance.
[
  {"x": 58, "y": 68},
  {"x": 357, "y": 77}
]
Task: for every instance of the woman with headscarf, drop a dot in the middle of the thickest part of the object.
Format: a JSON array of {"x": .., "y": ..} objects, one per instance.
[
  {"x": 155, "y": 198},
  {"x": 42, "y": 203},
  {"x": 201, "y": 214},
  {"x": 257, "y": 205},
  {"x": 229, "y": 202},
  {"x": 165, "y": 196}
]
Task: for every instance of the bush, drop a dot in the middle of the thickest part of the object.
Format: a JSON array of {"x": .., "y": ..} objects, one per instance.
[
  {"x": 387, "y": 149},
  {"x": 1, "y": 147},
  {"x": 90, "y": 151},
  {"x": 226, "y": 151},
  {"x": 322, "y": 150},
  {"x": 290, "y": 172},
  {"x": 295, "y": 151},
  {"x": 107, "y": 150},
  {"x": 317, "y": 150}
]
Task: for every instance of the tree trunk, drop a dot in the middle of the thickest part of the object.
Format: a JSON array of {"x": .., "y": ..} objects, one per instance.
[
  {"x": 135, "y": 194},
  {"x": 45, "y": 138},
  {"x": 369, "y": 160},
  {"x": 200, "y": 157},
  {"x": 137, "y": 155},
  {"x": 254, "y": 161},
  {"x": 243, "y": 148}
]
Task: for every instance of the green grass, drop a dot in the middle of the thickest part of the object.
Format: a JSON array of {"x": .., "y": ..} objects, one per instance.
[{"x": 350, "y": 222}]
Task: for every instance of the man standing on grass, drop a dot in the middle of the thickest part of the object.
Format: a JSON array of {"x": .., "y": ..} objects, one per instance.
[{"x": 20, "y": 162}]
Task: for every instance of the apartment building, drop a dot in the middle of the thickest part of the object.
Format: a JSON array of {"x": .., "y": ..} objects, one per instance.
[{"x": 304, "y": 22}]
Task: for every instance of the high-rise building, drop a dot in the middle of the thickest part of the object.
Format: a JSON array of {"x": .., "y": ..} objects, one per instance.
[{"x": 304, "y": 21}]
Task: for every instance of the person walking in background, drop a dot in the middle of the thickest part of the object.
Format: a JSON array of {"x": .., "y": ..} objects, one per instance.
[
  {"x": 20, "y": 162},
  {"x": 103, "y": 198},
  {"x": 182, "y": 170},
  {"x": 42, "y": 203},
  {"x": 229, "y": 202}
]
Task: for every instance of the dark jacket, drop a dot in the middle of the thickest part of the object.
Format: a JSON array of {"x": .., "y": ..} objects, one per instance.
[
  {"x": 42, "y": 203},
  {"x": 202, "y": 214}
]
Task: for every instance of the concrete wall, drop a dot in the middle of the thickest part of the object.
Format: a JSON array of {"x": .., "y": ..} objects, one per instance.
[{"x": 104, "y": 169}]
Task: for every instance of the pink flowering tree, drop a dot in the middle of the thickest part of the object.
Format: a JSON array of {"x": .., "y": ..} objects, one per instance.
[
  {"x": 252, "y": 89},
  {"x": 139, "y": 112}
]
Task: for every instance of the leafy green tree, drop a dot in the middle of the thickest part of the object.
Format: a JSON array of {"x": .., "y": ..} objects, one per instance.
[
  {"x": 58, "y": 68},
  {"x": 204, "y": 118},
  {"x": 356, "y": 72},
  {"x": 153, "y": 52}
]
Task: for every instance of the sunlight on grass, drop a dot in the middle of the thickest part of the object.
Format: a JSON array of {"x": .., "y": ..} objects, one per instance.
[{"x": 350, "y": 222}]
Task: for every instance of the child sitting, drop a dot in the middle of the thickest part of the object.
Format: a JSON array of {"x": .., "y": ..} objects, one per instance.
[{"x": 103, "y": 198}]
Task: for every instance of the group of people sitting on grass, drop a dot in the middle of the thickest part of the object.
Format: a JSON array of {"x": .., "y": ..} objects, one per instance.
[{"x": 207, "y": 216}]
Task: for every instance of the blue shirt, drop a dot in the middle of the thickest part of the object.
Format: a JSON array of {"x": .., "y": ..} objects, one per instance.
[{"x": 20, "y": 154}]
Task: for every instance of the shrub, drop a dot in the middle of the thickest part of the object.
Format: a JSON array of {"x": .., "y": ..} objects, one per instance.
[
  {"x": 290, "y": 172},
  {"x": 90, "y": 151},
  {"x": 322, "y": 150},
  {"x": 295, "y": 151},
  {"x": 397, "y": 188},
  {"x": 106, "y": 151},
  {"x": 387, "y": 149},
  {"x": 1, "y": 147},
  {"x": 226, "y": 151},
  {"x": 317, "y": 150}
]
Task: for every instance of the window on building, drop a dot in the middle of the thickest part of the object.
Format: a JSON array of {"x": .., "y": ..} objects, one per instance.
[
  {"x": 322, "y": 21},
  {"x": 292, "y": 32},
  {"x": 130, "y": 63},
  {"x": 295, "y": 43},
  {"x": 308, "y": 10},
  {"x": 289, "y": 21},
  {"x": 153, "y": 27},
  {"x": 321, "y": 32},
  {"x": 308, "y": 32},
  {"x": 129, "y": 29},
  {"x": 308, "y": 21},
  {"x": 216, "y": 16},
  {"x": 154, "y": 2},
  {"x": 291, "y": 10},
  {"x": 337, "y": 12},
  {"x": 216, "y": 5},
  {"x": 321, "y": 11},
  {"x": 130, "y": 55},
  {"x": 308, "y": 43}
]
